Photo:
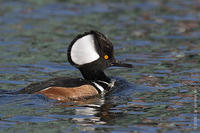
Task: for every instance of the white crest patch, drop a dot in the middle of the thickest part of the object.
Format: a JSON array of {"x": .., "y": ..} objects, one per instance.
[{"x": 83, "y": 50}]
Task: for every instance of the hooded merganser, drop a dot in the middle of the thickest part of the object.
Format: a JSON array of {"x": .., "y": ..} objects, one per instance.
[{"x": 91, "y": 53}]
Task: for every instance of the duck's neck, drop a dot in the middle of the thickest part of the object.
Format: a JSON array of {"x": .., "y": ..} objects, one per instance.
[
  {"x": 99, "y": 80},
  {"x": 95, "y": 75}
]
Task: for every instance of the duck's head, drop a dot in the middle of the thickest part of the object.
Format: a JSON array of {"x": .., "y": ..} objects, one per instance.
[{"x": 91, "y": 53}]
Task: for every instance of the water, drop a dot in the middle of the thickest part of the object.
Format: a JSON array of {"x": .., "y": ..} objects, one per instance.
[{"x": 160, "y": 38}]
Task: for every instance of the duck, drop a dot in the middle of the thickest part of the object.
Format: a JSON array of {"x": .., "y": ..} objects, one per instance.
[{"x": 91, "y": 53}]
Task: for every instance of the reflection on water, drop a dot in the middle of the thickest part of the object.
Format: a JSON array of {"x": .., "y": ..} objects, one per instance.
[{"x": 160, "y": 38}]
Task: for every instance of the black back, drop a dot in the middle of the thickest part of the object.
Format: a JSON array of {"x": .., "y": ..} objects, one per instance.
[{"x": 56, "y": 82}]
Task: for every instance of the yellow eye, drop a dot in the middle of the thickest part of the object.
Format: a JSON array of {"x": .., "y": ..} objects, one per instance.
[{"x": 106, "y": 57}]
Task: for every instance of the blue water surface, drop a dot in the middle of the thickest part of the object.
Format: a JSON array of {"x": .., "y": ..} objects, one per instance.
[{"x": 159, "y": 38}]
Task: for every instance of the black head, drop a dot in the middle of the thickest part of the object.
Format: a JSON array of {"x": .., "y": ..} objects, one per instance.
[{"x": 91, "y": 53}]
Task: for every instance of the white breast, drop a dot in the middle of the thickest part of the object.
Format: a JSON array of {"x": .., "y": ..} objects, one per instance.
[{"x": 83, "y": 50}]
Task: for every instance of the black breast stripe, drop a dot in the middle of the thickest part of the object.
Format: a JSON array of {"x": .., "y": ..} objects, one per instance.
[{"x": 99, "y": 88}]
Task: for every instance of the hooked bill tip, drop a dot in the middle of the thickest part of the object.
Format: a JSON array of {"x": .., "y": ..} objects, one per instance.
[{"x": 120, "y": 64}]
